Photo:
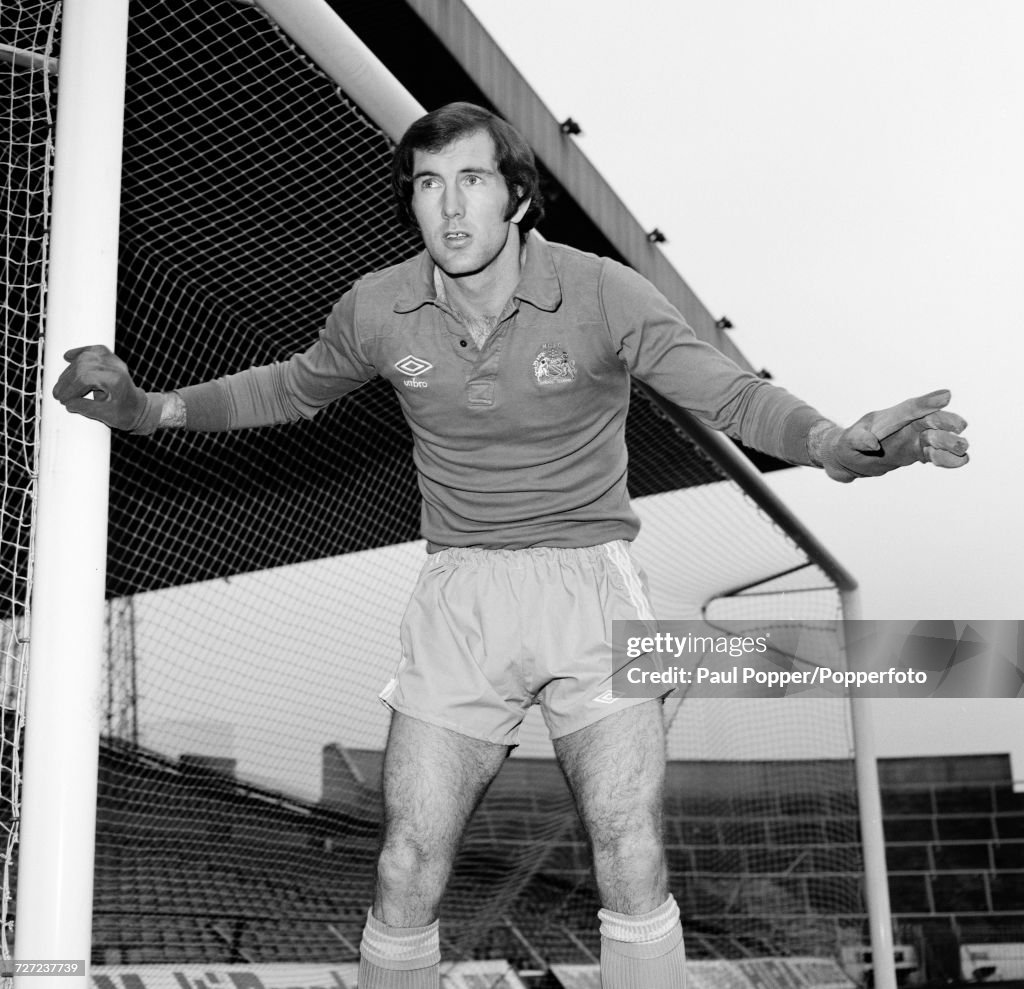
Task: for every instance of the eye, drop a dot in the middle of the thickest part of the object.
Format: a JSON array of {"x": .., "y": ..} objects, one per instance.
[
  {"x": 472, "y": 179},
  {"x": 429, "y": 182}
]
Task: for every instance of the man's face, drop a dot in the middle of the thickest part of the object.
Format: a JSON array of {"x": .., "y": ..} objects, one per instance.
[{"x": 459, "y": 200}]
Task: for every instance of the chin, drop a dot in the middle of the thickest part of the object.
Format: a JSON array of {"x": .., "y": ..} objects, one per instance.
[{"x": 457, "y": 266}]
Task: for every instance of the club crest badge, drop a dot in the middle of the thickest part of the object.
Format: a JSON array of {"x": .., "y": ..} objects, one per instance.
[{"x": 552, "y": 366}]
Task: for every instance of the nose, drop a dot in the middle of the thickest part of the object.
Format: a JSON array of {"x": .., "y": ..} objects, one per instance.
[{"x": 452, "y": 205}]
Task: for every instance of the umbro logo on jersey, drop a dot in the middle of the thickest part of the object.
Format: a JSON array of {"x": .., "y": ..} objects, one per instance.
[
  {"x": 414, "y": 367},
  {"x": 606, "y": 698}
]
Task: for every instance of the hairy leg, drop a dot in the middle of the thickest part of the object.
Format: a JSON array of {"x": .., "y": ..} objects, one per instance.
[
  {"x": 433, "y": 780},
  {"x": 616, "y": 770}
]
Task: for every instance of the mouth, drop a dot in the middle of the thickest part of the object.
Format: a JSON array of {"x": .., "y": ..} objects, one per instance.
[{"x": 456, "y": 237}]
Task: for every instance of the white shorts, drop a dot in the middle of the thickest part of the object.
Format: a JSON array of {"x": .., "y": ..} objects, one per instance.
[{"x": 488, "y": 633}]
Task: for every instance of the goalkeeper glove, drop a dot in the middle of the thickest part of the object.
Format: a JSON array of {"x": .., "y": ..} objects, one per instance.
[
  {"x": 918, "y": 429},
  {"x": 118, "y": 402}
]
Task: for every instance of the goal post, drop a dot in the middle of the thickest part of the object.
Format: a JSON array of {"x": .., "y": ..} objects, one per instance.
[
  {"x": 55, "y": 875},
  {"x": 869, "y": 806},
  {"x": 318, "y": 30}
]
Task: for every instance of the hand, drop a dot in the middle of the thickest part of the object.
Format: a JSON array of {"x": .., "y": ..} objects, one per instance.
[
  {"x": 118, "y": 402},
  {"x": 915, "y": 430}
]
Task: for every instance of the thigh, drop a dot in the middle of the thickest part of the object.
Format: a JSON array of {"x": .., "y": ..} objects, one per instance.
[
  {"x": 433, "y": 780},
  {"x": 616, "y": 769}
]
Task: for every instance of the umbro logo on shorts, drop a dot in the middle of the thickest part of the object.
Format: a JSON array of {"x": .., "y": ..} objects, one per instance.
[
  {"x": 606, "y": 698},
  {"x": 414, "y": 367}
]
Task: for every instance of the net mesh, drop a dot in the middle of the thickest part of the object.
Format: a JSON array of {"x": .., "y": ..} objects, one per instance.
[{"x": 256, "y": 580}]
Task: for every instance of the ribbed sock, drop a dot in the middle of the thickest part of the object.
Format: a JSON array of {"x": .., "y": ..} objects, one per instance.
[
  {"x": 642, "y": 951},
  {"x": 399, "y": 957}
]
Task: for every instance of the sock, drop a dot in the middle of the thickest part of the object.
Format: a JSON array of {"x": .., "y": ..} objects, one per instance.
[
  {"x": 399, "y": 957},
  {"x": 643, "y": 951}
]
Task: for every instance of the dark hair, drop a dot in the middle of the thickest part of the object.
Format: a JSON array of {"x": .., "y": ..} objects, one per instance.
[{"x": 439, "y": 128}]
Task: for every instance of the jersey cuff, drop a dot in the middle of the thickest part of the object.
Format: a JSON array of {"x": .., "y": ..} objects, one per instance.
[
  {"x": 207, "y": 407},
  {"x": 795, "y": 429},
  {"x": 148, "y": 420}
]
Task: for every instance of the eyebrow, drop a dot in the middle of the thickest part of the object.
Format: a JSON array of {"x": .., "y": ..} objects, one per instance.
[{"x": 474, "y": 169}]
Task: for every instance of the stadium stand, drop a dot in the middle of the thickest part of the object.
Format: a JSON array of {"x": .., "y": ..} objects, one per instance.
[{"x": 955, "y": 850}]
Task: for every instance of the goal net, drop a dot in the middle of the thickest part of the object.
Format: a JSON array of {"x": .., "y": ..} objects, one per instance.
[{"x": 256, "y": 580}]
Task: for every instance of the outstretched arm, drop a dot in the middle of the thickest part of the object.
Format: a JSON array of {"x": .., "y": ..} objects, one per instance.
[
  {"x": 917, "y": 430},
  {"x": 96, "y": 383}
]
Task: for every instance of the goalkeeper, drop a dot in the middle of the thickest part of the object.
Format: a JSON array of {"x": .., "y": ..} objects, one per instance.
[{"x": 511, "y": 358}]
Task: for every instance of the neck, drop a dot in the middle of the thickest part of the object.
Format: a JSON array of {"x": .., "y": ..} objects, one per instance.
[{"x": 484, "y": 293}]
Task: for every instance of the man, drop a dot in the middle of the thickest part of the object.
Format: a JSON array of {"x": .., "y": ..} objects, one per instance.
[{"x": 511, "y": 358}]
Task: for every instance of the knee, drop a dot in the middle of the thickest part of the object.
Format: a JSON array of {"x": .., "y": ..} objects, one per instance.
[
  {"x": 627, "y": 831},
  {"x": 409, "y": 859},
  {"x": 630, "y": 868},
  {"x": 400, "y": 857},
  {"x": 641, "y": 847}
]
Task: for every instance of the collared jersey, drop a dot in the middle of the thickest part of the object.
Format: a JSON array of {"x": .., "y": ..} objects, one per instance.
[{"x": 522, "y": 442}]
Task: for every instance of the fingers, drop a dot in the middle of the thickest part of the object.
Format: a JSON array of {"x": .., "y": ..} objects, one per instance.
[
  {"x": 943, "y": 459},
  {"x": 862, "y": 439},
  {"x": 888, "y": 421},
  {"x": 89, "y": 407},
  {"x": 944, "y": 449},
  {"x": 90, "y": 369},
  {"x": 78, "y": 386},
  {"x": 76, "y": 382},
  {"x": 949, "y": 422},
  {"x": 96, "y": 348},
  {"x": 97, "y": 384}
]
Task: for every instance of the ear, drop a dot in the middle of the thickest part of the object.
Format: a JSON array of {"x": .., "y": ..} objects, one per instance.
[{"x": 521, "y": 211}]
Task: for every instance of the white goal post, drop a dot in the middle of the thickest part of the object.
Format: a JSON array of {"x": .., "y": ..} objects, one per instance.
[
  {"x": 329, "y": 42},
  {"x": 54, "y": 908}
]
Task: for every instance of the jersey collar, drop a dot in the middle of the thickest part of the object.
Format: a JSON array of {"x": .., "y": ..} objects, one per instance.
[{"x": 538, "y": 282}]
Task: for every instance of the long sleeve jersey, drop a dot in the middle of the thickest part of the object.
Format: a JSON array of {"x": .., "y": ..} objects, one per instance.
[{"x": 520, "y": 442}]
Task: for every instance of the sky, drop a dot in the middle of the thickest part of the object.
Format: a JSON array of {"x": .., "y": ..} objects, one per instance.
[{"x": 843, "y": 181}]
